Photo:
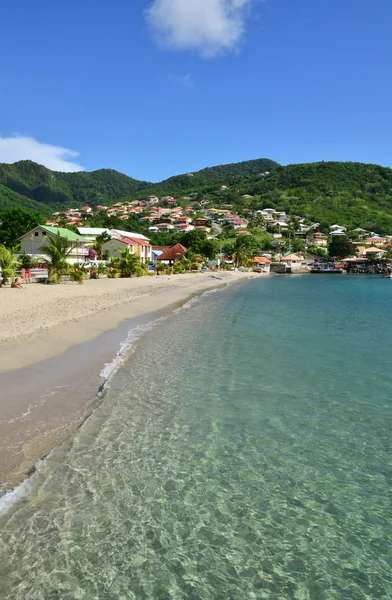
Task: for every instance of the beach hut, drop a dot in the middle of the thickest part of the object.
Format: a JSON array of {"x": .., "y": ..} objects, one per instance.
[
  {"x": 261, "y": 264},
  {"x": 292, "y": 259}
]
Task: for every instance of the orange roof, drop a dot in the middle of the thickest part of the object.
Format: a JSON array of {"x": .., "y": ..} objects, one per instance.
[
  {"x": 291, "y": 258},
  {"x": 374, "y": 249},
  {"x": 261, "y": 260}
]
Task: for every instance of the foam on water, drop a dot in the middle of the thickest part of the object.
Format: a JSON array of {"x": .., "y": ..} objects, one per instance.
[
  {"x": 12, "y": 498},
  {"x": 127, "y": 346}
]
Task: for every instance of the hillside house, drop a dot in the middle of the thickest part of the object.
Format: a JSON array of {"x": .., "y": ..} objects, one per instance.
[
  {"x": 320, "y": 240},
  {"x": 165, "y": 227}
]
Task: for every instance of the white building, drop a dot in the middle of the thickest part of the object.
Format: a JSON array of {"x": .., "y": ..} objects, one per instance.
[{"x": 90, "y": 233}]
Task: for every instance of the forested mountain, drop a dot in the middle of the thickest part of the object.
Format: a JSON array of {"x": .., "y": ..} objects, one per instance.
[
  {"x": 59, "y": 191},
  {"x": 11, "y": 199},
  {"x": 63, "y": 190},
  {"x": 352, "y": 194}
]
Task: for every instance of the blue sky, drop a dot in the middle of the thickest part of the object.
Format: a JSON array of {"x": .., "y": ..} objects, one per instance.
[{"x": 154, "y": 88}]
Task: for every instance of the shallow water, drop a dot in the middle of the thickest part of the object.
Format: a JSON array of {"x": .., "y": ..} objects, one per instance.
[{"x": 242, "y": 451}]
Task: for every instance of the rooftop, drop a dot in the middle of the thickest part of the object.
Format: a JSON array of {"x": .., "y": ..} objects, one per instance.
[
  {"x": 63, "y": 232},
  {"x": 261, "y": 260},
  {"x": 173, "y": 253}
]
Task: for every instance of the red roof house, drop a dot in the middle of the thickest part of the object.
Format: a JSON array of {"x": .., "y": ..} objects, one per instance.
[{"x": 173, "y": 254}]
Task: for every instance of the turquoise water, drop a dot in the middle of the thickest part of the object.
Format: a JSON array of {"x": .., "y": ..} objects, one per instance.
[{"x": 243, "y": 451}]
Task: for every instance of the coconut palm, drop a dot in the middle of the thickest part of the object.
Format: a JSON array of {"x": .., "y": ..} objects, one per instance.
[
  {"x": 242, "y": 251},
  {"x": 8, "y": 262},
  {"x": 127, "y": 263},
  {"x": 56, "y": 252}
]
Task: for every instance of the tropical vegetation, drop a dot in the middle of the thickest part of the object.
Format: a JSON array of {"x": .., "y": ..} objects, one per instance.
[
  {"x": 354, "y": 194},
  {"x": 8, "y": 263},
  {"x": 341, "y": 247},
  {"x": 15, "y": 222},
  {"x": 242, "y": 251},
  {"x": 56, "y": 252}
]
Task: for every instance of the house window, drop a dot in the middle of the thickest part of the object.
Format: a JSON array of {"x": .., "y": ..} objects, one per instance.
[
  {"x": 44, "y": 233},
  {"x": 36, "y": 234}
]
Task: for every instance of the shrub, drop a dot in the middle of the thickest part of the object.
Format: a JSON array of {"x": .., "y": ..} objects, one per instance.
[
  {"x": 139, "y": 271},
  {"x": 179, "y": 267},
  {"x": 111, "y": 272},
  {"x": 78, "y": 273},
  {"x": 54, "y": 278}
]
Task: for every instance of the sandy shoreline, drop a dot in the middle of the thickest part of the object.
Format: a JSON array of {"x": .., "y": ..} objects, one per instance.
[{"x": 54, "y": 341}]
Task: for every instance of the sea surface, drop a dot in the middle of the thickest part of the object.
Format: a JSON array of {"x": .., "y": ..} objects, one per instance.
[{"x": 241, "y": 451}]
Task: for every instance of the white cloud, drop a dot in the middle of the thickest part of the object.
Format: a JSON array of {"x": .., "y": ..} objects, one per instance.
[
  {"x": 209, "y": 27},
  {"x": 56, "y": 158},
  {"x": 182, "y": 80}
]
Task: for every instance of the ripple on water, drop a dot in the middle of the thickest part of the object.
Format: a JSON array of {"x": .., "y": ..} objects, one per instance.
[{"x": 239, "y": 453}]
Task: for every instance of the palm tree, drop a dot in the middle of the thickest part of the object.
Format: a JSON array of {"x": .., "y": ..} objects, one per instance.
[
  {"x": 188, "y": 259},
  {"x": 294, "y": 226},
  {"x": 56, "y": 252},
  {"x": 99, "y": 241},
  {"x": 128, "y": 263},
  {"x": 8, "y": 262},
  {"x": 242, "y": 251}
]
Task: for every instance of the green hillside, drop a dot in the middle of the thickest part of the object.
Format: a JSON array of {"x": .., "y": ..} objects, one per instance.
[
  {"x": 11, "y": 199},
  {"x": 209, "y": 180},
  {"x": 59, "y": 191},
  {"x": 351, "y": 194},
  {"x": 63, "y": 190}
]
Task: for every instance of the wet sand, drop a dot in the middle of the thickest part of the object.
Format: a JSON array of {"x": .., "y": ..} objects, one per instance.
[{"x": 51, "y": 374}]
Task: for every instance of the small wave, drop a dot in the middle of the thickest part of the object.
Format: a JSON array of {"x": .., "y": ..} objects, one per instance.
[
  {"x": 12, "y": 498},
  {"x": 126, "y": 346},
  {"x": 134, "y": 334},
  {"x": 195, "y": 299}
]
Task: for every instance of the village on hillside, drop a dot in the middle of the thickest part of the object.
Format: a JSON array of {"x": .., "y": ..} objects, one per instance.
[{"x": 194, "y": 233}]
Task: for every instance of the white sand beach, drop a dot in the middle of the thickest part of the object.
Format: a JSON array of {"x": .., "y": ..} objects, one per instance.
[{"x": 39, "y": 307}]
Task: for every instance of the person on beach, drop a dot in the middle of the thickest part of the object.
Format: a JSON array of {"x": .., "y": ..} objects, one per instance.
[
  {"x": 4, "y": 281},
  {"x": 16, "y": 285}
]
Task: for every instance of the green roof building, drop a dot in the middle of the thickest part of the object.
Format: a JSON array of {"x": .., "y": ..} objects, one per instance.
[{"x": 37, "y": 237}]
